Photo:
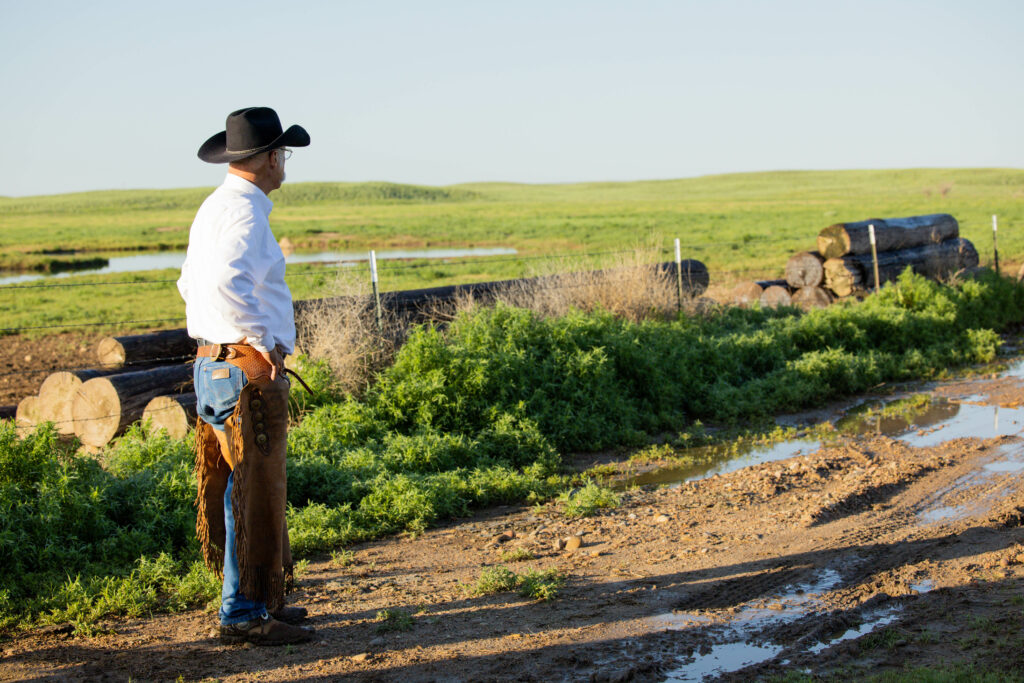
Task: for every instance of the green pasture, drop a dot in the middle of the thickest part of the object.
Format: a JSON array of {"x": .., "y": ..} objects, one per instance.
[{"x": 740, "y": 225}]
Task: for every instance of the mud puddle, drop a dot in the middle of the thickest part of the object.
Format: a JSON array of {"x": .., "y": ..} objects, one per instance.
[
  {"x": 742, "y": 645},
  {"x": 941, "y": 420},
  {"x": 739, "y": 649},
  {"x": 922, "y": 425},
  {"x": 707, "y": 461}
]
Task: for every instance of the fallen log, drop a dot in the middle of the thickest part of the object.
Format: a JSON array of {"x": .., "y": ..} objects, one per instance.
[
  {"x": 808, "y": 298},
  {"x": 891, "y": 234},
  {"x": 166, "y": 346},
  {"x": 846, "y": 274},
  {"x": 776, "y": 296},
  {"x": 57, "y": 393},
  {"x": 694, "y": 274},
  {"x": 805, "y": 269},
  {"x": 174, "y": 413},
  {"x": 103, "y": 407},
  {"x": 170, "y": 345},
  {"x": 748, "y": 293}
]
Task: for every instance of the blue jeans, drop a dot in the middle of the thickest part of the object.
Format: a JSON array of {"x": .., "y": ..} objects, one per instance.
[
  {"x": 234, "y": 607},
  {"x": 215, "y": 401}
]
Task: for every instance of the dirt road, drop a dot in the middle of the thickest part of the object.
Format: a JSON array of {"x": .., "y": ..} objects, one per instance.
[{"x": 869, "y": 553}]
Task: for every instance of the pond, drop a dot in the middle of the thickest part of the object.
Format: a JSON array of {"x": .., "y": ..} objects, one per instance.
[{"x": 174, "y": 259}]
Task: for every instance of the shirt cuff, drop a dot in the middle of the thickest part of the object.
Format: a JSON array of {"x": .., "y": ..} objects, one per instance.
[{"x": 257, "y": 343}]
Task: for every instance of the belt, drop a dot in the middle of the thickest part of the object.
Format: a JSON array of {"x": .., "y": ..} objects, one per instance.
[
  {"x": 245, "y": 357},
  {"x": 223, "y": 351}
]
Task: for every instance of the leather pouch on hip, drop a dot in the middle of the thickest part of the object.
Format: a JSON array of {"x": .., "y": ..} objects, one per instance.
[{"x": 250, "y": 361}]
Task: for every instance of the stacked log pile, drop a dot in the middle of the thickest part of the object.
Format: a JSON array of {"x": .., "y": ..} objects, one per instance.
[
  {"x": 149, "y": 376},
  {"x": 843, "y": 265}
]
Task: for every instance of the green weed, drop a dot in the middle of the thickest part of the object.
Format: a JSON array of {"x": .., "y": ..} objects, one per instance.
[
  {"x": 516, "y": 555},
  {"x": 886, "y": 638},
  {"x": 391, "y": 620},
  {"x": 541, "y": 585},
  {"x": 536, "y": 584},
  {"x": 497, "y": 579},
  {"x": 586, "y": 501},
  {"x": 342, "y": 558}
]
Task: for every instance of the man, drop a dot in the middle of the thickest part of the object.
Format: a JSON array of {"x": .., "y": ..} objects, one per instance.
[{"x": 239, "y": 309}]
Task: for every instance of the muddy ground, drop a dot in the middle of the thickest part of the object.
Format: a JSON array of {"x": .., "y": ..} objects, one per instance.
[
  {"x": 870, "y": 553},
  {"x": 26, "y": 362}
]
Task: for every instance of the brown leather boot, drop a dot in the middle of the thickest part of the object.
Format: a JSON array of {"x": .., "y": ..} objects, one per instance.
[
  {"x": 289, "y": 615},
  {"x": 264, "y": 631}
]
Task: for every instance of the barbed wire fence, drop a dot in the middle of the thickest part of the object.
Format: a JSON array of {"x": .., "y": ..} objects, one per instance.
[{"x": 355, "y": 269}]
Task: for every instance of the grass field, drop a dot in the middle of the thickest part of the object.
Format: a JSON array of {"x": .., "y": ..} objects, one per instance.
[{"x": 739, "y": 225}]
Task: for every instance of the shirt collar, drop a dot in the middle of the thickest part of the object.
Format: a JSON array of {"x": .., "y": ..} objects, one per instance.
[{"x": 240, "y": 184}]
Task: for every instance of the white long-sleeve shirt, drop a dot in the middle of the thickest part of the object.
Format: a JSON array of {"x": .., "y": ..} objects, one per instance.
[{"x": 232, "y": 280}]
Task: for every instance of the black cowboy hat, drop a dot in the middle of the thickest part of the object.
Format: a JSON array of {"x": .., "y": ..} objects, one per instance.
[{"x": 248, "y": 132}]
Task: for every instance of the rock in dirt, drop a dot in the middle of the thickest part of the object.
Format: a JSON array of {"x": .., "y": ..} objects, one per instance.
[
  {"x": 573, "y": 543},
  {"x": 361, "y": 657},
  {"x": 559, "y": 543},
  {"x": 661, "y": 519}
]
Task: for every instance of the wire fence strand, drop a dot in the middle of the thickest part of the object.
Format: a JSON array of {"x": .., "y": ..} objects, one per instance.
[
  {"x": 361, "y": 264},
  {"x": 746, "y": 274}
]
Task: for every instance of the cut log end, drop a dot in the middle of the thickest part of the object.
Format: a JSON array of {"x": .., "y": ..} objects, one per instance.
[
  {"x": 27, "y": 414},
  {"x": 843, "y": 276},
  {"x": 776, "y": 296},
  {"x": 96, "y": 411},
  {"x": 833, "y": 241},
  {"x": 175, "y": 414},
  {"x": 747, "y": 294},
  {"x": 55, "y": 398},
  {"x": 805, "y": 269},
  {"x": 809, "y": 298},
  {"x": 103, "y": 407},
  {"x": 110, "y": 353}
]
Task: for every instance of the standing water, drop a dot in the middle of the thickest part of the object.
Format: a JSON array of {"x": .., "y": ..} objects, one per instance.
[{"x": 173, "y": 259}]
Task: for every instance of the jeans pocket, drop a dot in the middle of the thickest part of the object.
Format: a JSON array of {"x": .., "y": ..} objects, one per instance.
[{"x": 218, "y": 385}]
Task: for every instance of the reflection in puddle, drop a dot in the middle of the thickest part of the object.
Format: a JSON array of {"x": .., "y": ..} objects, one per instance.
[
  {"x": 1015, "y": 370},
  {"x": 725, "y": 658},
  {"x": 797, "y": 601},
  {"x": 928, "y": 425},
  {"x": 872, "y": 621},
  {"x": 714, "y": 460},
  {"x": 943, "y": 513},
  {"x": 1013, "y": 463}
]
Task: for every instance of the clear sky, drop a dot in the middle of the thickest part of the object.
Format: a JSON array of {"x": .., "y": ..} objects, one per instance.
[{"x": 102, "y": 95}]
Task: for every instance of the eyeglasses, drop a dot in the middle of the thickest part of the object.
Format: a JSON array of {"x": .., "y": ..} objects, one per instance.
[{"x": 285, "y": 151}]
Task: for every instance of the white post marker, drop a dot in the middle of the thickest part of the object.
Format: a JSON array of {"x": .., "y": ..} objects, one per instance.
[
  {"x": 679, "y": 277},
  {"x": 376, "y": 291},
  {"x": 874, "y": 251},
  {"x": 995, "y": 245}
]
